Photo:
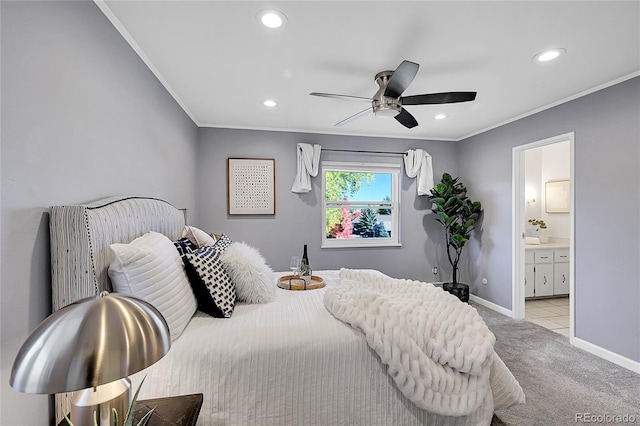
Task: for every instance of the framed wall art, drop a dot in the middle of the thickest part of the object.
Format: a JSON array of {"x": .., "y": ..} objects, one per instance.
[
  {"x": 556, "y": 199},
  {"x": 251, "y": 186}
]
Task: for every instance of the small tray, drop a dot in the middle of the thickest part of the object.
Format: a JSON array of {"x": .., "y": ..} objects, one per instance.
[{"x": 293, "y": 282}]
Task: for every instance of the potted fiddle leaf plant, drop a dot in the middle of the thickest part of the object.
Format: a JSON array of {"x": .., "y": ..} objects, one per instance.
[{"x": 458, "y": 215}]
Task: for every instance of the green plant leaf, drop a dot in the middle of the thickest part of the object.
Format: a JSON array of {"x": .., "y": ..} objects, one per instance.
[
  {"x": 450, "y": 220},
  {"x": 440, "y": 188},
  {"x": 443, "y": 217},
  {"x": 449, "y": 202},
  {"x": 458, "y": 241},
  {"x": 438, "y": 201},
  {"x": 128, "y": 421},
  {"x": 145, "y": 419}
]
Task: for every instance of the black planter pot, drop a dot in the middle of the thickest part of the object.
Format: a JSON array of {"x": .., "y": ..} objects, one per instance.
[{"x": 461, "y": 291}]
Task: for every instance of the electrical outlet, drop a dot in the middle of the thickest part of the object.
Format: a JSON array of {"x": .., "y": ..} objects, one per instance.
[{"x": 434, "y": 270}]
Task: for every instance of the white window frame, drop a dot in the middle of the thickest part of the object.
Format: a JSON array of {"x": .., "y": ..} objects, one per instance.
[{"x": 394, "y": 205}]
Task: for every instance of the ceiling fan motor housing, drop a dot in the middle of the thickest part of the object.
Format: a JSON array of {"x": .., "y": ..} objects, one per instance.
[{"x": 385, "y": 106}]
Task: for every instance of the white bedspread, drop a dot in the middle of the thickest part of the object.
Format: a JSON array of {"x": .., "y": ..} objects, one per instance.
[
  {"x": 290, "y": 362},
  {"x": 439, "y": 351}
]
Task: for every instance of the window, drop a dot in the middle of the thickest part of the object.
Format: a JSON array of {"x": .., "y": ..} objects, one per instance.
[{"x": 361, "y": 204}]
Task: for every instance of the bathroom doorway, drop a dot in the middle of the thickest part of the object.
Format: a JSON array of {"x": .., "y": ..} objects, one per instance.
[{"x": 543, "y": 224}]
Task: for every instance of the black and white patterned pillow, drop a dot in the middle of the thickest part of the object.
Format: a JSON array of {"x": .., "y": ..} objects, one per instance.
[
  {"x": 211, "y": 284},
  {"x": 222, "y": 243},
  {"x": 184, "y": 246}
]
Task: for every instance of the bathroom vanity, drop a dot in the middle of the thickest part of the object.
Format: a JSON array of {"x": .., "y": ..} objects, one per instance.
[{"x": 547, "y": 269}]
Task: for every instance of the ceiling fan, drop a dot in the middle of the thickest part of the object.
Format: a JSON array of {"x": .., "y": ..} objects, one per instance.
[{"x": 387, "y": 101}]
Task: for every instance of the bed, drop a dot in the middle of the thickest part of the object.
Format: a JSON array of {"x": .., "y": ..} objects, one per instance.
[{"x": 288, "y": 362}]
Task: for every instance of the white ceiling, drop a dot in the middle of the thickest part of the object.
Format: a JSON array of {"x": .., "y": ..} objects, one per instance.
[{"x": 220, "y": 63}]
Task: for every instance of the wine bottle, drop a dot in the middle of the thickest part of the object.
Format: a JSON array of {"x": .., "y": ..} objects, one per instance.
[{"x": 305, "y": 269}]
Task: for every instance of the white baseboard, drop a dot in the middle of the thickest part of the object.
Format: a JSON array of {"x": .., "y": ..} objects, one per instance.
[
  {"x": 491, "y": 305},
  {"x": 613, "y": 357},
  {"x": 596, "y": 350}
]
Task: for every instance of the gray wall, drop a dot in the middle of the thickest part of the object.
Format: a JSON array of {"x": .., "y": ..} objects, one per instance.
[
  {"x": 298, "y": 218},
  {"x": 607, "y": 209},
  {"x": 82, "y": 118}
]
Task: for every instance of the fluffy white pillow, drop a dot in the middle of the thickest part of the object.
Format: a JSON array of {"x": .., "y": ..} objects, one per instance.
[
  {"x": 150, "y": 268},
  {"x": 253, "y": 279},
  {"x": 197, "y": 236}
]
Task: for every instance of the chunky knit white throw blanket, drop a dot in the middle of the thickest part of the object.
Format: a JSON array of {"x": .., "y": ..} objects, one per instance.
[{"x": 438, "y": 351}]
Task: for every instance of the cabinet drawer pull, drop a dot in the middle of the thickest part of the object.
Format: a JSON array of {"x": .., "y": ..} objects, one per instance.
[
  {"x": 545, "y": 280},
  {"x": 563, "y": 278}
]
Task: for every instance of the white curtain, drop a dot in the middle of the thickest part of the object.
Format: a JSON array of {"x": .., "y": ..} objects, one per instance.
[
  {"x": 308, "y": 160},
  {"x": 417, "y": 164}
]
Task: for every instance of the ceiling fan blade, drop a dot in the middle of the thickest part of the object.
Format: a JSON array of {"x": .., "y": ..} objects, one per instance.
[
  {"x": 401, "y": 78},
  {"x": 406, "y": 119},
  {"x": 438, "y": 98},
  {"x": 354, "y": 116},
  {"x": 345, "y": 97}
]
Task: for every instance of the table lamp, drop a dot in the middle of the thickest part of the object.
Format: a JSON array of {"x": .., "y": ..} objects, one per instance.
[{"x": 90, "y": 347}]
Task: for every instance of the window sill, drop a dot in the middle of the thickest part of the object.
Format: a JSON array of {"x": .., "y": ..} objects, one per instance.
[{"x": 354, "y": 245}]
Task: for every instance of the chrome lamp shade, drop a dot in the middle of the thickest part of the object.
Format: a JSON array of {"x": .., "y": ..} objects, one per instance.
[{"x": 92, "y": 342}]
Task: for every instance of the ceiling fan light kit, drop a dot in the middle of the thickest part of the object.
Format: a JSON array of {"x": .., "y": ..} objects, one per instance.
[{"x": 388, "y": 100}]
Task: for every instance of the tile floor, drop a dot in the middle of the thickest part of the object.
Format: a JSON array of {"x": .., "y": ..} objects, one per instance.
[{"x": 549, "y": 313}]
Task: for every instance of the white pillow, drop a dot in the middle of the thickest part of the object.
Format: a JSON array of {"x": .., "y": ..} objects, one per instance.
[
  {"x": 253, "y": 279},
  {"x": 197, "y": 236},
  {"x": 150, "y": 268}
]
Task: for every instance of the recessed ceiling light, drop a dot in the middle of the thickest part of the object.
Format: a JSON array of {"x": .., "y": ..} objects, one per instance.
[
  {"x": 440, "y": 116},
  {"x": 272, "y": 18},
  {"x": 549, "y": 55},
  {"x": 269, "y": 103}
]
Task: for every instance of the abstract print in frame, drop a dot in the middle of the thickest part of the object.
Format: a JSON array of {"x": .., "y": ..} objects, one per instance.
[{"x": 251, "y": 188}]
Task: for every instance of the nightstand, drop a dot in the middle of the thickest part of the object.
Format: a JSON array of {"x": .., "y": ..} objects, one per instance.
[{"x": 182, "y": 410}]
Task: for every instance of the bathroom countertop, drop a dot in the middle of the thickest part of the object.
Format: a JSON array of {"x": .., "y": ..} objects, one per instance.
[{"x": 549, "y": 246}]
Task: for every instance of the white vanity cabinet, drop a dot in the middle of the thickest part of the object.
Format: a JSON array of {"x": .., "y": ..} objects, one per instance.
[
  {"x": 543, "y": 273},
  {"x": 561, "y": 271},
  {"x": 546, "y": 272},
  {"x": 529, "y": 274}
]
